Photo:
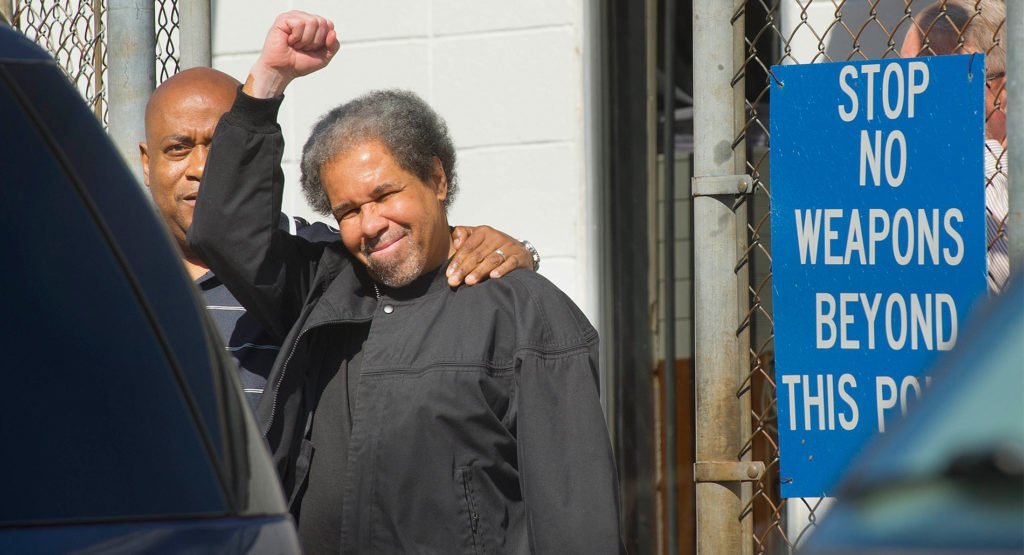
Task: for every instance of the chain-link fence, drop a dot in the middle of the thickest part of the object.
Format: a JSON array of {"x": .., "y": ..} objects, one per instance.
[
  {"x": 74, "y": 33},
  {"x": 813, "y": 31},
  {"x": 167, "y": 43}
]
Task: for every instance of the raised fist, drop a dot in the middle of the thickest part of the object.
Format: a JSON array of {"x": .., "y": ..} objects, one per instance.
[{"x": 297, "y": 44}]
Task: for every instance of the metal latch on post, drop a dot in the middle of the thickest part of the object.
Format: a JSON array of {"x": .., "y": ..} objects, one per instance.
[
  {"x": 727, "y": 471},
  {"x": 711, "y": 185}
]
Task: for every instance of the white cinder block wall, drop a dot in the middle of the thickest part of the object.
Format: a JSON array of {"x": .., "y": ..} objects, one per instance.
[{"x": 507, "y": 77}]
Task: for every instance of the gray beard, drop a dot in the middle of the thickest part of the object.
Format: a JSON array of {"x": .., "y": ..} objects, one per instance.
[{"x": 398, "y": 271}]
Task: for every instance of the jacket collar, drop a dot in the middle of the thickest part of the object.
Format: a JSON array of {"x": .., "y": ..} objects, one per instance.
[
  {"x": 349, "y": 294},
  {"x": 342, "y": 291},
  {"x": 428, "y": 284}
]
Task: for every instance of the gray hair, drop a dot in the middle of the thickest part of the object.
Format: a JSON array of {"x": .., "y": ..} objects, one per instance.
[
  {"x": 950, "y": 25},
  {"x": 410, "y": 129}
]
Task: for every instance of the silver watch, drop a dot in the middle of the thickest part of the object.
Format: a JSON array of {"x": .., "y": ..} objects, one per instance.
[{"x": 533, "y": 254}]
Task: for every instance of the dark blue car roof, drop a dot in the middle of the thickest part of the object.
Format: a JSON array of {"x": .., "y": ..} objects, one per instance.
[
  {"x": 101, "y": 323},
  {"x": 16, "y": 48},
  {"x": 123, "y": 423}
]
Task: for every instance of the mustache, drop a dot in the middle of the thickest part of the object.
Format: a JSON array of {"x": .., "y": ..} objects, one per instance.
[
  {"x": 190, "y": 195},
  {"x": 370, "y": 244}
]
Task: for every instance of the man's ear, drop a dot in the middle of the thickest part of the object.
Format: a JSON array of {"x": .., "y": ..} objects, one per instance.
[
  {"x": 440, "y": 180},
  {"x": 999, "y": 86},
  {"x": 144, "y": 158}
]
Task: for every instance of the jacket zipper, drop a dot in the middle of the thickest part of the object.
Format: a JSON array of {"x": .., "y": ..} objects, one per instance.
[
  {"x": 474, "y": 515},
  {"x": 280, "y": 380},
  {"x": 284, "y": 367}
]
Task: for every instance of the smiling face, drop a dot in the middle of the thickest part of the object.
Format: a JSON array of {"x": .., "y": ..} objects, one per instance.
[
  {"x": 390, "y": 220},
  {"x": 180, "y": 119}
]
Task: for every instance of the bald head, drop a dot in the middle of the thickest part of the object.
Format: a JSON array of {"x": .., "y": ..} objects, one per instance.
[
  {"x": 181, "y": 117},
  {"x": 198, "y": 85},
  {"x": 959, "y": 27}
]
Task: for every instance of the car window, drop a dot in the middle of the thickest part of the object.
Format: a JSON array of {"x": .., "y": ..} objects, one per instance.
[
  {"x": 94, "y": 423},
  {"x": 127, "y": 214}
]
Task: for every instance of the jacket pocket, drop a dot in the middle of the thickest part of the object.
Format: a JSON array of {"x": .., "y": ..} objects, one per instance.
[{"x": 470, "y": 510}]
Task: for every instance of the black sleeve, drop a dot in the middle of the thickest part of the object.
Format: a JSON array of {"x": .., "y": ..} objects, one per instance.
[
  {"x": 566, "y": 470},
  {"x": 235, "y": 227},
  {"x": 566, "y": 467}
]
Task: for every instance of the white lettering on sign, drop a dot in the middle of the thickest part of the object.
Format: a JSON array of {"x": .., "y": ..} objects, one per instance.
[
  {"x": 920, "y": 320},
  {"x": 892, "y": 70},
  {"x": 848, "y": 114},
  {"x": 888, "y": 395},
  {"x": 871, "y": 157},
  {"x": 927, "y": 237},
  {"x": 916, "y": 86},
  {"x": 870, "y": 70},
  {"x": 898, "y": 90},
  {"x": 827, "y": 401},
  {"x": 872, "y": 95},
  {"x": 817, "y": 395}
]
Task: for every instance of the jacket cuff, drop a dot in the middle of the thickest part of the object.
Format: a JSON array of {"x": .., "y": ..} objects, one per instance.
[{"x": 256, "y": 114}]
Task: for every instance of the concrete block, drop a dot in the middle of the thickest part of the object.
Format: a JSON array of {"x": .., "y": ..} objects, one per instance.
[
  {"x": 530, "y": 193},
  {"x": 235, "y": 65},
  {"x": 511, "y": 88},
  {"x": 294, "y": 201},
  {"x": 357, "y": 70},
  {"x": 458, "y": 16},
  {"x": 358, "y": 20},
  {"x": 240, "y": 26}
]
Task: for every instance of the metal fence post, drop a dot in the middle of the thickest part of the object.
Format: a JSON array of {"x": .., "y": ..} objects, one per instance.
[
  {"x": 131, "y": 52},
  {"x": 194, "y": 33},
  {"x": 1015, "y": 134},
  {"x": 720, "y": 290}
]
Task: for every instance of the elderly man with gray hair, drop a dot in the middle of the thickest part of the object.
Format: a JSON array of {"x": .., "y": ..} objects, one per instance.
[
  {"x": 970, "y": 27},
  {"x": 406, "y": 416}
]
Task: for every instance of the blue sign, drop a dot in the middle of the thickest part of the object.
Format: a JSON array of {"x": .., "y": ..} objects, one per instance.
[{"x": 878, "y": 245}]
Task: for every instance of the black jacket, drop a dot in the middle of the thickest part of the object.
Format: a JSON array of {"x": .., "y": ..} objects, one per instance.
[{"x": 477, "y": 426}]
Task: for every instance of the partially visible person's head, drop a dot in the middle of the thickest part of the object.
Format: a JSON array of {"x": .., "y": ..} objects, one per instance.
[
  {"x": 963, "y": 27},
  {"x": 384, "y": 166},
  {"x": 181, "y": 116}
]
